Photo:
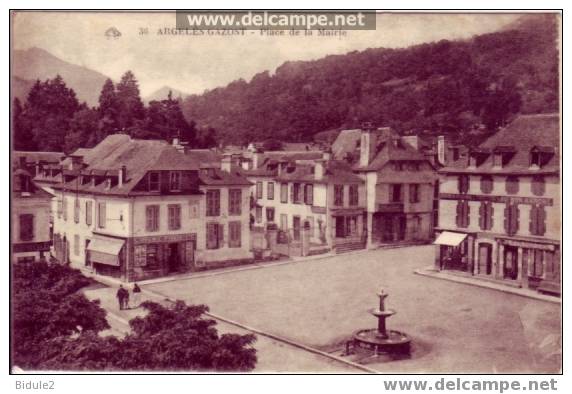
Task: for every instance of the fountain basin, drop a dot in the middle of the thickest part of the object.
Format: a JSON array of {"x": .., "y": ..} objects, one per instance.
[{"x": 393, "y": 342}]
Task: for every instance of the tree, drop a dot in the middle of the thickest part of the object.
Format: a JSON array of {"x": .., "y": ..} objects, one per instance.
[
  {"x": 57, "y": 328},
  {"x": 165, "y": 120},
  {"x": 47, "y": 113},
  {"x": 23, "y": 137},
  {"x": 129, "y": 102},
  {"x": 108, "y": 111},
  {"x": 83, "y": 130}
]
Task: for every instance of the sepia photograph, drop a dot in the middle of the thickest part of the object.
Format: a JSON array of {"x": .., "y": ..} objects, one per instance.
[{"x": 286, "y": 192}]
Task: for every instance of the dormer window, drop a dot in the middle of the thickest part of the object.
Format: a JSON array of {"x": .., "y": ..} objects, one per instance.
[
  {"x": 175, "y": 181},
  {"x": 502, "y": 155},
  {"x": 154, "y": 181},
  {"x": 540, "y": 155}
]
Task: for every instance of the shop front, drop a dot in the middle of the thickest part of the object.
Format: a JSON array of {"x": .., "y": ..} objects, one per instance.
[{"x": 454, "y": 251}]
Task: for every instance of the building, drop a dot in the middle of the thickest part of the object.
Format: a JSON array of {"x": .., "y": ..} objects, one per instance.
[
  {"x": 313, "y": 198},
  {"x": 500, "y": 207},
  {"x": 137, "y": 209},
  {"x": 30, "y": 217},
  {"x": 400, "y": 185}
]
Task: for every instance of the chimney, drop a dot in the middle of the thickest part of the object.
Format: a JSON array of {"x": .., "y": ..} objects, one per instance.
[
  {"x": 441, "y": 150},
  {"x": 368, "y": 143},
  {"x": 327, "y": 155},
  {"x": 122, "y": 175},
  {"x": 319, "y": 169},
  {"x": 255, "y": 159},
  {"x": 226, "y": 163}
]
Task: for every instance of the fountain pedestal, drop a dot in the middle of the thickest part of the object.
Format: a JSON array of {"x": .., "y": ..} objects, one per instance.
[{"x": 381, "y": 340}]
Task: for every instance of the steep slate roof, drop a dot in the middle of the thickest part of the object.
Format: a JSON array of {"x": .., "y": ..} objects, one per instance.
[
  {"x": 392, "y": 150},
  {"x": 334, "y": 172},
  {"x": 138, "y": 157},
  {"x": 35, "y": 157},
  {"x": 346, "y": 142},
  {"x": 206, "y": 158},
  {"x": 541, "y": 131},
  {"x": 218, "y": 177}
]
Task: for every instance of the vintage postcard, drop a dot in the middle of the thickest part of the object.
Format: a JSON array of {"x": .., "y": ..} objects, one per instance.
[{"x": 286, "y": 192}]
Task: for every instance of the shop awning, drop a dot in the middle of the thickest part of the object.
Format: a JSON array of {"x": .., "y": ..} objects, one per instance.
[
  {"x": 450, "y": 239},
  {"x": 105, "y": 250}
]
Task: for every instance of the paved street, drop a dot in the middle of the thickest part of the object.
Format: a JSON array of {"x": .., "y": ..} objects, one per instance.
[
  {"x": 455, "y": 327},
  {"x": 272, "y": 355}
]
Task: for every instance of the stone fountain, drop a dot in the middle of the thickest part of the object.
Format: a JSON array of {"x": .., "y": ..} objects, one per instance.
[{"x": 380, "y": 339}]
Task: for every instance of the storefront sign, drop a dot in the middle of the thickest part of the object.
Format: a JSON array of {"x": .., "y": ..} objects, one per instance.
[
  {"x": 32, "y": 247},
  {"x": 499, "y": 199}
]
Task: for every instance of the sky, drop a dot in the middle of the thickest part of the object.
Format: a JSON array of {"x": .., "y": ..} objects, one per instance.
[{"x": 192, "y": 64}]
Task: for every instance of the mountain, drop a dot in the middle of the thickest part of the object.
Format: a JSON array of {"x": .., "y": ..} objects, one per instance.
[
  {"x": 450, "y": 87},
  {"x": 162, "y": 93},
  {"x": 35, "y": 63}
]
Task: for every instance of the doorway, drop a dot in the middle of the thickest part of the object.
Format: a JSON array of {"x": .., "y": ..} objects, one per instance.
[
  {"x": 510, "y": 262},
  {"x": 296, "y": 227},
  {"x": 485, "y": 258},
  {"x": 174, "y": 259}
]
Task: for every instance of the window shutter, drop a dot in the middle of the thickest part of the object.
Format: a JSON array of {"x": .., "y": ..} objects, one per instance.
[
  {"x": 515, "y": 219},
  {"x": 533, "y": 225},
  {"x": 491, "y": 215},
  {"x": 482, "y": 216},
  {"x": 310, "y": 195},
  {"x": 507, "y": 218},
  {"x": 467, "y": 214},
  {"x": 292, "y": 194},
  {"x": 459, "y": 213},
  {"x": 541, "y": 220}
]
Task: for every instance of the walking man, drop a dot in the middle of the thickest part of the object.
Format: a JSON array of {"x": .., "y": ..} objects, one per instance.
[{"x": 121, "y": 296}]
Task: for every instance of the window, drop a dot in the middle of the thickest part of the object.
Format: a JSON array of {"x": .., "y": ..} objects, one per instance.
[
  {"x": 88, "y": 212},
  {"x": 511, "y": 185},
  {"x": 497, "y": 160},
  {"x": 175, "y": 181},
  {"x": 354, "y": 195},
  {"x": 258, "y": 213},
  {"x": 284, "y": 222},
  {"x": 65, "y": 208},
  {"x": 234, "y": 201},
  {"x": 309, "y": 194},
  {"x": 154, "y": 181},
  {"x": 486, "y": 212},
  {"x": 296, "y": 199},
  {"x": 102, "y": 215},
  {"x": 270, "y": 191},
  {"x": 284, "y": 193},
  {"x": 537, "y": 225},
  {"x": 396, "y": 195},
  {"x": 76, "y": 245},
  {"x": 174, "y": 216},
  {"x": 269, "y": 214},
  {"x": 152, "y": 216},
  {"x": 486, "y": 184},
  {"x": 215, "y": 234},
  {"x": 511, "y": 213},
  {"x": 413, "y": 193},
  {"x": 151, "y": 257},
  {"x": 76, "y": 210},
  {"x": 463, "y": 184},
  {"x": 26, "y": 227},
  {"x": 259, "y": 190},
  {"x": 213, "y": 202},
  {"x": 234, "y": 234},
  {"x": 339, "y": 195},
  {"x": 463, "y": 214},
  {"x": 538, "y": 187},
  {"x": 535, "y": 159}
]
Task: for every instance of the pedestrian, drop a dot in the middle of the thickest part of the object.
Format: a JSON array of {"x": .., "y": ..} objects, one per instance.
[
  {"x": 136, "y": 295},
  {"x": 126, "y": 299},
  {"x": 121, "y": 296}
]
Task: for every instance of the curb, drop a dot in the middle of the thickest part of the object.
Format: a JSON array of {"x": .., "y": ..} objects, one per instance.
[{"x": 487, "y": 285}]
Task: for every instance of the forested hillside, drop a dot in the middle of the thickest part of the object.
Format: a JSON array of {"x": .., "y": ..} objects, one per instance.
[{"x": 451, "y": 87}]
